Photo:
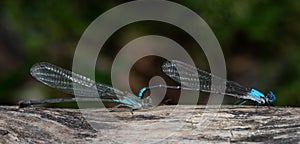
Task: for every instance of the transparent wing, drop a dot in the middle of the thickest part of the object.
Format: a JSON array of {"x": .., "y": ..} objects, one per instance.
[
  {"x": 189, "y": 75},
  {"x": 62, "y": 79}
]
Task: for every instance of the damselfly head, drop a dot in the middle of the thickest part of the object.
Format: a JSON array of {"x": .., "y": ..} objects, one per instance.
[{"x": 271, "y": 97}]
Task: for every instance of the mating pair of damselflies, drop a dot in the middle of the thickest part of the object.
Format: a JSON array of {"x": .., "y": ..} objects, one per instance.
[{"x": 62, "y": 79}]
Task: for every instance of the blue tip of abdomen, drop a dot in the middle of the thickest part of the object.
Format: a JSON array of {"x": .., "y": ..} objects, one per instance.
[{"x": 141, "y": 93}]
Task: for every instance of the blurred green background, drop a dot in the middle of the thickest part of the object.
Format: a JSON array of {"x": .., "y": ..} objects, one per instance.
[{"x": 260, "y": 41}]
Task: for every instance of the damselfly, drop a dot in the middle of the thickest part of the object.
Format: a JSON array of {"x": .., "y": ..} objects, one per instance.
[
  {"x": 188, "y": 75},
  {"x": 62, "y": 79}
]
